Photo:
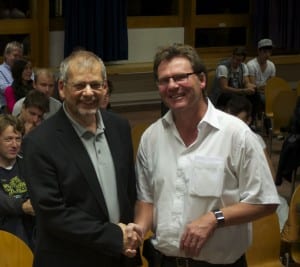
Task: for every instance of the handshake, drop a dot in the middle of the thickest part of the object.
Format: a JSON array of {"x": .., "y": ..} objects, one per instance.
[{"x": 133, "y": 236}]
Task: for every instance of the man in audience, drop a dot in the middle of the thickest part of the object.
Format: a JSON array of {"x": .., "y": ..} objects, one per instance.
[
  {"x": 35, "y": 105},
  {"x": 12, "y": 51},
  {"x": 16, "y": 212},
  {"x": 80, "y": 175},
  {"x": 44, "y": 81},
  {"x": 202, "y": 176},
  {"x": 262, "y": 68},
  {"x": 232, "y": 79}
]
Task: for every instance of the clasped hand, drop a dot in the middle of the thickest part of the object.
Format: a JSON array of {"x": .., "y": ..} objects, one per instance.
[{"x": 133, "y": 236}]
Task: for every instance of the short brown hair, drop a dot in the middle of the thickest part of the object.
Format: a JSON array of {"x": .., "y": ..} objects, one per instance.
[
  {"x": 36, "y": 99},
  {"x": 178, "y": 50},
  {"x": 10, "y": 120}
]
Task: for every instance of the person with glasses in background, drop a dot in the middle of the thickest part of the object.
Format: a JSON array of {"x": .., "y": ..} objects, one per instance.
[
  {"x": 16, "y": 211},
  {"x": 202, "y": 176},
  {"x": 80, "y": 173},
  {"x": 12, "y": 52}
]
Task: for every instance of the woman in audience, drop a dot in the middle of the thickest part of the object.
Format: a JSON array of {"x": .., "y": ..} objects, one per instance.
[{"x": 22, "y": 84}]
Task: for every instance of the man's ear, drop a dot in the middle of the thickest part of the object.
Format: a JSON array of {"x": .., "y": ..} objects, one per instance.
[
  {"x": 202, "y": 79},
  {"x": 60, "y": 86}
]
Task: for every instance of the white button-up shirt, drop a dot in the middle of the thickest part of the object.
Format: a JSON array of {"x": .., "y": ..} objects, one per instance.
[{"x": 225, "y": 165}]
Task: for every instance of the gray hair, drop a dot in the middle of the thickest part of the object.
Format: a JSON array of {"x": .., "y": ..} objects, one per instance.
[
  {"x": 85, "y": 59},
  {"x": 10, "y": 47}
]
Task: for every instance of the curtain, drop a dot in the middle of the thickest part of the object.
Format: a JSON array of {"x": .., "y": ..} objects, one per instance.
[
  {"x": 97, "y": 25},
  {"x": 278, "y": 20}
]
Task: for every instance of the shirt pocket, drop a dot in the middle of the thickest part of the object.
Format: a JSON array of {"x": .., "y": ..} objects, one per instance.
[{"x": 206, "y": 177}]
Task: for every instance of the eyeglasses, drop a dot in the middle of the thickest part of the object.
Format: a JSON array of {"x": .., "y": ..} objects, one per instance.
[
  {"x": 178, "y": 78},
  {"x": 96, "y": 86}
]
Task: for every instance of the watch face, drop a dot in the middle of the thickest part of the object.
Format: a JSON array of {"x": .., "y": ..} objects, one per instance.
[{"x": 219, "y": 216}]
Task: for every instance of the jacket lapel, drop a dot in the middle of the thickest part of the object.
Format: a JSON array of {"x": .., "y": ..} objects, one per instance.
[{"x": 78, "y": 154}]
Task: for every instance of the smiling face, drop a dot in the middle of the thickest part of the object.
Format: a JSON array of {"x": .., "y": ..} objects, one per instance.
[
  {"x": 10, "y": 143},
  {"x": 81, "y": 97},
  {"x": 185, "y": 93}
]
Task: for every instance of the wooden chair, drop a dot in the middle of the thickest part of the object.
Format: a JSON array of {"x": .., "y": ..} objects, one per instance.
[
  {"x": 273, "y": 87},
  {"x": 14, "y": 252},
  {"x": 291, "y": 230},
  {"x": 265, "y": 248}
]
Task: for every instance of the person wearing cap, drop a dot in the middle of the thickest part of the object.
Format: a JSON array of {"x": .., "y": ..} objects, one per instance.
[{"x": 262, "y": 68}]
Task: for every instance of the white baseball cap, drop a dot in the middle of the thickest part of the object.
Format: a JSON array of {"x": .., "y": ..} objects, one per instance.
[{"x": 265, "y": 43}]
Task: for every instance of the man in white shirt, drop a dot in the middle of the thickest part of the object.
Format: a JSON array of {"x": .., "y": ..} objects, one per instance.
[
  {"x": 262, "y": 68},
  {"x": 202, "y": 176},
  {"x": 44, "y": 81},
  {"x": 12, "y": 52}
]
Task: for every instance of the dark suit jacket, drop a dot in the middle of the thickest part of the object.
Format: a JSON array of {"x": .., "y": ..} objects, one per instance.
[{"x": 73, "y": 227}]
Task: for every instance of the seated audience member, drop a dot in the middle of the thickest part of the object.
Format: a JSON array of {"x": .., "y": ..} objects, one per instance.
[
  {"x": 16, "y": 212},
  {"x": 241, "y": 107},
  {"x": 105, "y": 104},
  {"x": 232, "y": 79},
  {"x": 289, "y": 158},
  {"x": 12, "y": 52},
  {"x": 44, "y": 81},
  {"x": 261, "y": 68},
  {"x": 35, "y": 105},
  {"x": 22, "y": 84}
]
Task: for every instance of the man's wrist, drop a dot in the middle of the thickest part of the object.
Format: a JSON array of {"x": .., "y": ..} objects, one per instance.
[{"x": 220, "y": 219}]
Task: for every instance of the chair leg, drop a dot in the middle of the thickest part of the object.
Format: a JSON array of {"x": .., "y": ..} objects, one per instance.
[
  {"x": 270, "y": 137},
  {"x": 286, "y": 259},
  {"x": 293, "y": 182}
]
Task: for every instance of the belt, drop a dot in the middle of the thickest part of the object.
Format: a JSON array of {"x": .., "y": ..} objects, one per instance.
[{"x": 188, "y": 262}]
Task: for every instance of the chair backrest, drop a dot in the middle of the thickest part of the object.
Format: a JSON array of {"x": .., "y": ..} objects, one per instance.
[
  {"x": 291, "y": 229},
  {"x": 273, "y": 86},
  {"x": 136, "y": 133},
  {"x": 14, "y": 252},
  {"x": 265, "y": 248},
  {"x": 283, "y": 107}
]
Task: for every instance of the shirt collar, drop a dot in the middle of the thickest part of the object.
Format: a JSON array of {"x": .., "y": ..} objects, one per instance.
[
  {"x": 6, "y": 66},
  {"x": 210, "y": 117}
]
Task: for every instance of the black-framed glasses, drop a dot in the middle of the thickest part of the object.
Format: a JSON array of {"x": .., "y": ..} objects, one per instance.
[
  {"x": 181, "y": 78},
  {"x": 80, "y": 86}
]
